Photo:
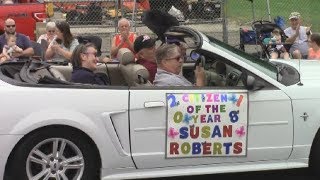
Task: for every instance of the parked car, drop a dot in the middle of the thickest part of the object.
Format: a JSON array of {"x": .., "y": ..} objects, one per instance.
[
  {"x": 26, "y": 15},
  {"x": 264, "y": 117}
]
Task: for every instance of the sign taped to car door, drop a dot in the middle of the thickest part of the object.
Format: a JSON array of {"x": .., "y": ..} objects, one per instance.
[{"x": 206, "y": 124}]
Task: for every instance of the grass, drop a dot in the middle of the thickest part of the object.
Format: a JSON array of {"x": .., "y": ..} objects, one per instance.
[{"x": 241, "y": 11}]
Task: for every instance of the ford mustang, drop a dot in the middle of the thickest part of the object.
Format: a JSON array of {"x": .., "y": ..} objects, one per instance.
[{"x": 257, "y": 115}]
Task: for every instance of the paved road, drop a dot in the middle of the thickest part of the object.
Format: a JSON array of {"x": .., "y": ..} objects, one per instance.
[{"x": 295, "y": 174}]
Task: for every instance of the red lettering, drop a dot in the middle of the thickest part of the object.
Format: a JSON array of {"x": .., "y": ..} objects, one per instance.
[
  {"x": 174, "y": 148},
  {"x": 194, "y": 132},
  {"x": 237, "y": 148},
  {"x": 206, "y": 148},
  {"x": 227, "y": 131}
]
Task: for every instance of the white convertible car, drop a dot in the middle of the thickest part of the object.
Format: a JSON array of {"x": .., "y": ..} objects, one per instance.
[{"x": 253, "y": 115}]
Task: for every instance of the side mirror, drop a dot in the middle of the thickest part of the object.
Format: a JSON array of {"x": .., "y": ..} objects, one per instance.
[{"x": 250, "y": 82}]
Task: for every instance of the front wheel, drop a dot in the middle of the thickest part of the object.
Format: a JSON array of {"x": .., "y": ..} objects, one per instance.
[
  {"x": 54, "y": 153},
  {"x": 314, "y": 158}
]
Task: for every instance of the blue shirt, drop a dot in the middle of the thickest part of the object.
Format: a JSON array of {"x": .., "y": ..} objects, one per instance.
[{"x": 86, "y": 76}]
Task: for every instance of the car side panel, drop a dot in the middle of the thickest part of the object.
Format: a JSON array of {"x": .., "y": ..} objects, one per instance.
[
  {"x": 90, "y": 110},
  {"x": 305, "y": 99},
  {"x": 270, "y": 128}
]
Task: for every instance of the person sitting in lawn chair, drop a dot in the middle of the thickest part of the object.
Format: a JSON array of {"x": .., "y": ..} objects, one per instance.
[
  {"x": 276, "y": 48},
  {"x": 297, "y": 36}
]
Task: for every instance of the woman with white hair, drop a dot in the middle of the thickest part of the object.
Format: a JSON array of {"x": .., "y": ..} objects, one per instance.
[
  {"x": 50, "y": 33},
  {"x": 124, "y": 39}
]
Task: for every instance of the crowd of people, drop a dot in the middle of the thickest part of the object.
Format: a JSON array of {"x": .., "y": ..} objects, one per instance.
[
  {"x": 163, "y": 63},
  {"x": 299, "y": 43}
]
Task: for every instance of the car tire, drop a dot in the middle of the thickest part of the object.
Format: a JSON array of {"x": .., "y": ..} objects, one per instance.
[
  {"x": 314, "y": 159},
  {"x": 34, "y": 155}
]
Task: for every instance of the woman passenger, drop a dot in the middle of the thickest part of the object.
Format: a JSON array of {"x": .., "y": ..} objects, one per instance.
[
  {"x": 84, "y": 61},
  {"x": 62, "y": 47}
]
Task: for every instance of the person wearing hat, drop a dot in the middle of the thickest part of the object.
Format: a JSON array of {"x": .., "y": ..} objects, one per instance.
[
  {"x": 297, "y": 36},
  {"x": 145, "y": 47}
]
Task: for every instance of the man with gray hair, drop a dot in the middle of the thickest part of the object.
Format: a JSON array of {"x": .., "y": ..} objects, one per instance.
[
  {"x": 297, "y": 36},
  {"x": 170, "y": 62},
  {"x": 124, "y": 39}
]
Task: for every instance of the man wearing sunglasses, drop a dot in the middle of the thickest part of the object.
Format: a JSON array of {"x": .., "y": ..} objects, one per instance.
[
  {"x": 22, "y": 41},
  {"x": 170, "y": 62}
]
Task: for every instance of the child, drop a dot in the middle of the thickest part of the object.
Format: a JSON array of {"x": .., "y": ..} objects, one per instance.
[
  {"x": 314, "y": 44},
  {"x": 10, "y": 48},
  {"x": 277, "y": 47}
]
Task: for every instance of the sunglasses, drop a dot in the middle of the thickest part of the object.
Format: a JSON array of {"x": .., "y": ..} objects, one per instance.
[
  {"x": 176, "y": 58},
  {"x": 9, "y": 26},
  {"x": 94, "y": 54}
]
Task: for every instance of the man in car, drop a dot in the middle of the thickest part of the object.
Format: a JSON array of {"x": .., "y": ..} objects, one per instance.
[
  {"x": 22, "y": 41},
  {"x": 145, "y": 48},
  {"x": 170, "y": 62}
]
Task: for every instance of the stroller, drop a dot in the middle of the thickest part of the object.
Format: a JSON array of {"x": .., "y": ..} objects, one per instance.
[{"x": 260, "y": 35}]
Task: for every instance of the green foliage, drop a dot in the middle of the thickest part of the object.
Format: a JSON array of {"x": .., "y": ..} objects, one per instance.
[{"x": 241, "y": 11}]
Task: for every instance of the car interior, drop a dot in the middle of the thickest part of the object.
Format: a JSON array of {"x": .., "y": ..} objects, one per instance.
[{"x": 219, "y": 71}]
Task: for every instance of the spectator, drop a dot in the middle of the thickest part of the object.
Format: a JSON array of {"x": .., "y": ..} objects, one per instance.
[
  {"x": 84, "y": 61},
  {"x": 10, "y": 48},
  {"x": 124, "y": 39},
  {"x": 145, "y": 48},
  {"x": 314, "y": 44},
  {"x": 297, "y": 36},
  {"x": 63, "y": 46},
  {"x": 50, "y": 33},
  {"x": 277, "y": 49},
  {"x": 22, "y": 41},
  {"x": 170, "y": 63}
]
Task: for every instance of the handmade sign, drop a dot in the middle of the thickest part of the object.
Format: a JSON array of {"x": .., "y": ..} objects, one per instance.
[{"x": 206, "y": 124}]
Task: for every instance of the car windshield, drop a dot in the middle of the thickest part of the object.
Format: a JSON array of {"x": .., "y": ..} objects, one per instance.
[{"x": 264, "y": 66}]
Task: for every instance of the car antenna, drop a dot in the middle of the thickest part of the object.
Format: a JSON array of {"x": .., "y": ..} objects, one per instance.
[{"x": 300, "y": 83}]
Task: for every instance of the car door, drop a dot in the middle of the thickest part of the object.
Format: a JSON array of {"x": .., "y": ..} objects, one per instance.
[{"x": 266, "y": 131}]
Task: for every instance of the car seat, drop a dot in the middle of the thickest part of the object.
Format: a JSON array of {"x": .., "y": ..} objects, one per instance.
[
  {"x": 134, "y": 74},
  {"x": 96, "y": 40},
  {"x": 38, "y": 50}
]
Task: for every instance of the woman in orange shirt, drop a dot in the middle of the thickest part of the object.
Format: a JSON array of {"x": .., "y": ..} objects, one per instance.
[
  {"x": 314, "y": 44},
  {"x": 124, "y": 39}
]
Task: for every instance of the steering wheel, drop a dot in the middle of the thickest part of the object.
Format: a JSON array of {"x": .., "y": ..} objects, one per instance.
[
  {"x": 200, "y": 59},
  {"x": 232, "y": 78}
]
